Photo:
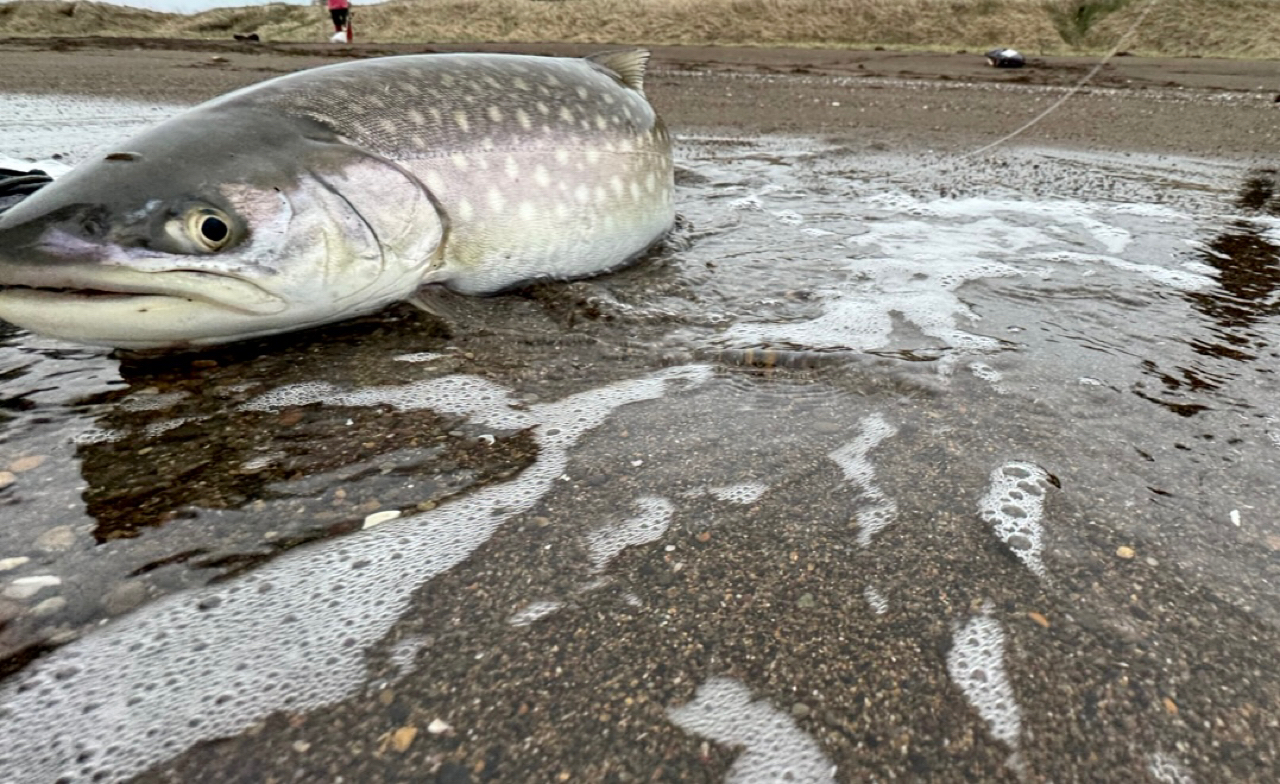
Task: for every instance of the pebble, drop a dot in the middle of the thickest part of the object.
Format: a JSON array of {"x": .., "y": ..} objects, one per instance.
[
  {"x": 26, "y": 587},
  {"x": 1038, "y": 618},
  {"x": 402, "y": 738},
  {"x": 377, "y": 518},
  {"x": 799, "y": 710},
  {"x": 438, "y": 727},
  {"x": 124, "y": 597},
  {"x": 806, "y": 601},
  {"x": 27, "y": 463},
  {"x": 7, "y": 478},
  {"x": 56, "y": 539},
  {"x": 1171, "y": 706},
  {"x": 301, "y": 746},
  {"x": 54, "y": 604},
  {"x": 9, "y": 611},
  {"x": 12, "y": 563},
  {"x": 1125, "y": 552}
]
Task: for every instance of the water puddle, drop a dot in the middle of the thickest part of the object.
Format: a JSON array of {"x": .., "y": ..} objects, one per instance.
[{"x": 971, "y": 474}]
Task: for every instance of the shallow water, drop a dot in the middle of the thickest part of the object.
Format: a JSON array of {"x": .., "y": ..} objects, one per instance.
[{"x": 967, "y": 473}]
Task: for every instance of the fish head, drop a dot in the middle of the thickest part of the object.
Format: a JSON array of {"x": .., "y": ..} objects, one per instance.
[{"x": 187, "y": 236}]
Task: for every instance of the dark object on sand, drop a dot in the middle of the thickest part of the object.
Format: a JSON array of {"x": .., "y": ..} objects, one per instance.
[
  {"x": 18, "y": 185},
  {"x": 250, "y": 37},
  {"x": 1005, "y": 58}
]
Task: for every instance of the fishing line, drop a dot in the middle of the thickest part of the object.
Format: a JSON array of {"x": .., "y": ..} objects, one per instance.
[{"x": 1029, "y": 124}]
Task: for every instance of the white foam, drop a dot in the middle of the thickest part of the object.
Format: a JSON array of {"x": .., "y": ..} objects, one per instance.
[
  {"x": 774, "y": 748},
  {"x": 876, "y": 600},
  {"x": 533, "y": 612},
  {"x": 648, "y": 526},
  {"x": 745, "y": 493},
  {"x": 976, "y": 664},
  {"x": 877, "y": 511},
  {"x": 291, "y": 635},
  {"x": 1014, "y": 507},
  {"x": 423, "y": 356},
  {"x": 1167, "y": 770}
]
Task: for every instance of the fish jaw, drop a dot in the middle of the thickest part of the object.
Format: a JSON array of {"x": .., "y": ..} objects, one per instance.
[{"x": 130, "y": 321}]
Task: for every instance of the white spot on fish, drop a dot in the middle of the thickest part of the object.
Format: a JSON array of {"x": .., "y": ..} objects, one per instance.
[
  {"x": 562, "y": 157},
  {"x": 460, "y": 117},
  {"x": 543, "y": 108},
  {"x": 497, "y": 202},
  {"x": 540, "y": 176},
  {"x": 520, "y": 84},
  {"x": 487, "y": 143},
  {"x": 615, "y": 182},
  {"x": 465, "y": 210},
  {"x": 435, "y": 182},
  {"x": 495, "y": 114},
  {"x": 435, "y": 114},
  {"x": 634, "y": 187},
  {"x": 565, "y": 114},
  {"x": 416, "y": 117},
  {"x": 582, "y": 194},
  {"x": 459, "y": 160},
  {"x": 526, "y": 210},
  {"x": 593, "y": 156},
  {"x": 512, "y": 168},
  {"x": 601, "y": 122},
  {"x": 522, "y": 117}
]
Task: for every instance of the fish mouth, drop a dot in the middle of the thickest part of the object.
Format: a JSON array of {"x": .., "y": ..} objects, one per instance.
[{"x": 55, "y": 286}]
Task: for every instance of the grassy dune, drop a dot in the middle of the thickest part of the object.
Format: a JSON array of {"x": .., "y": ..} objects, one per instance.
[{"x": 1230, "y": 28}]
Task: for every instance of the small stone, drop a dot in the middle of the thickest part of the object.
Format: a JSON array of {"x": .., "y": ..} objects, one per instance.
[
  {"x": 12, "y": 563},
  {"x": 402, "y": 738},
  {"x": 799, "y": 710},
  {"x": 9, "y": 611},
  {"x": 438, "y": 727},
  {"x": 806, "y": 601},
  {"x": 56, "y": 539},
  {"x": 301, "y": 746},
  {"x": 386, "y": 697},
  {"x": 26, "y": 587},
  {"x": 704, "y": 537},
  {"x": 27, "y": 463},
  {"x": 1171, "y": 706},
  {"x": 208, "y": 363},
  {"x": 50, "y": 606},
  {"x": 377, "y": 518},
  {"x": 7, "y": 478},
  {"x": 124, "y": 597},
  {"x": 1125, "y": 552},
  {"x": 1038, "y": 618}
]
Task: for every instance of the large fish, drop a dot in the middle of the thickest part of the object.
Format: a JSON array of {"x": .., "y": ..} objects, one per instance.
[{"x": 336, "y": 191}]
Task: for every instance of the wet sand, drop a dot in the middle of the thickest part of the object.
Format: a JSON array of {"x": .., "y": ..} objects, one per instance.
[{"x": 882, "y": 99}]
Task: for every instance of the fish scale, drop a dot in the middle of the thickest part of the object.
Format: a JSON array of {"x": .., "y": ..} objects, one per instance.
[{"x": 339, "y": 190}]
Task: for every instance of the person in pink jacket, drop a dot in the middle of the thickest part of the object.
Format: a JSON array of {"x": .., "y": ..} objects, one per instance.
[{"x": 338, "y": 11}]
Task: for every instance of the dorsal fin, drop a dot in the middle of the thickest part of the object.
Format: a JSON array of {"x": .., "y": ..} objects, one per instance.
[{"x": 627, "y": 64}]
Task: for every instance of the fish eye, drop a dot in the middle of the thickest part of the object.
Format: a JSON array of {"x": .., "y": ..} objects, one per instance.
[{"x": 211, "y": 228}]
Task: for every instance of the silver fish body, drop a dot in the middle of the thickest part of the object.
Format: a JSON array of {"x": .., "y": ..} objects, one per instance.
[{"x": 334, "y": 192}]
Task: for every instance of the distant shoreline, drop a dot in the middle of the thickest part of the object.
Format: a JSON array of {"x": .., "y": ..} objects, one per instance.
[
  {"x": 876, "y": 101},
  {"x": 1248, "y": 29}
]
